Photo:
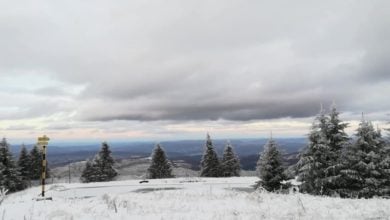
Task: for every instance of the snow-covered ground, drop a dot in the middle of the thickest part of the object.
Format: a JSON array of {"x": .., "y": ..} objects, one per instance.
[{"x": 182, "y": 198}]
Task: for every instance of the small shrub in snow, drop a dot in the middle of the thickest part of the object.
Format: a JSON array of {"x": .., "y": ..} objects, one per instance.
[{"x": 3, "y": 193}]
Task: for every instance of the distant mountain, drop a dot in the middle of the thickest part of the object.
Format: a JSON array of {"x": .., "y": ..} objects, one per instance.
[{"x": 189, "y": 151}]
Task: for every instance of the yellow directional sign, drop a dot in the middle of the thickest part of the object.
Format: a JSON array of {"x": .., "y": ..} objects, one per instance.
[{"x": 43, "y": 140}]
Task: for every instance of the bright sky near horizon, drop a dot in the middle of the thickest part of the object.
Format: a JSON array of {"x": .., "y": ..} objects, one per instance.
[{"x": 158, "y": 70}]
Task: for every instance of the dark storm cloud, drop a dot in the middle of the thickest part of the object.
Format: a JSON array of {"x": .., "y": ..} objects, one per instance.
[
  {"x": 233, "y": 109},
  {"x": 203, "y": 60}
]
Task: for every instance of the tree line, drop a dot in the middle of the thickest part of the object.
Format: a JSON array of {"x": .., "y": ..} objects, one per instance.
[
  {"x": 101, "y": 167},
  {"x": 335, "y": 164},
  {"x": 270, "y": 168},
  {"x": 331, "y": 164},
  {"x": 18, "y": 174}
]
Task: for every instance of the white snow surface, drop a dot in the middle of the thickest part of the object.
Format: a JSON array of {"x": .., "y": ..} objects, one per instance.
[{"x": 182, "y": 198}]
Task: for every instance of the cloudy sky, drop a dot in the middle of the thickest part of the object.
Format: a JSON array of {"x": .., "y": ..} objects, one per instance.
[{"x": 156, "y": 70}]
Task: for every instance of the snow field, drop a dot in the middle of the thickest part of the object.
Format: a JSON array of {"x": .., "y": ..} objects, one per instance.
[{"x": 183, "y": 198}]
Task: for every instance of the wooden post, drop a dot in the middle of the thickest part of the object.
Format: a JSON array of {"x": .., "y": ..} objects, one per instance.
[
  {"x": 43, "y": 141},
  {"x": 43, "y": 170}
]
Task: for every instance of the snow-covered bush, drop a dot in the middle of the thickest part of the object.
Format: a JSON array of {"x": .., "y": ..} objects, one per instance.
[{"x": 3, "y": 193}]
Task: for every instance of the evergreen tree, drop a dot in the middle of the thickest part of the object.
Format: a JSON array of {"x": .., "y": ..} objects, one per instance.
[
  {"x": 210, "y": 166},
  {"x": 230, "y": 164},
  {"x": 363, "y": 173},
  {"x": 384, "y": 164},
  {"x": 335, "y": 133},
  {"x": 101, "y": 168},
  {"x": 337, "y": 140},
  {"x": 10, "y": 172},
  {"x": 91, "y": 173},
  {"x": 24, "y": 164},
  {"x": 106, "y": 163},
  {"x": 269, "y": 167},
  {"x": 314, "y": 160},
  {"x": 36, "y": 163},
  {"x": 160, "y": 167},
  {"x": 1, "y": 175},
  {"x": 36, "y": 157}
]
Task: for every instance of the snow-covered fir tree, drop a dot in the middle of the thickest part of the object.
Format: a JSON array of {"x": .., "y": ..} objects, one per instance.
[
  {"x": 363, "y": 174},
  {"x": 314, "y": 159},
  {"x": 1, "y": 175},
  {"x": 106, "y": 163},
  {"x": 335, "y": 133},
  {"x": 230, "y": 163},
  {"x": 101, "y": 168},
  {"x": 384, "y": 165},
  {"x": 24, "y": 164},
  {"x": 210, "y": 166},
  {"x": 35, "y": 163},
  {"x": 160, "y": 167},
  {"x": 12, "y": 179},
  {"x": 337, "y": 141},
  {"x": 270, "y": 168},
  {"x": 91, "y": 172}
]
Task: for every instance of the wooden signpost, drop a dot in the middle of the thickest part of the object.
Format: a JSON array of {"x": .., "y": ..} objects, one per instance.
[{"x": 43, "y": 142}]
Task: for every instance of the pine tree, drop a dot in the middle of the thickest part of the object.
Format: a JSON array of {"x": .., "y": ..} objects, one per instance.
[
  {"x": 335, "y": 133},
  {"x": 384, "y": 164},
  {"x": 36, "y": 163},
  {"x": 363, "y": 174},
  {"x": 270, "y": 168},
  {"x": 314, "y": 160},
  {"x": 101, "y": 168},
  {"x": 12, "y": 179},
  {"x": 230, "y": 163},
  {"x": 106, "y": 163},
  {"x": 210, "y": 166},
  {"x": 24, "y": 164},
  {"x": 1, "y": 175},
  {"x": 160, "y": 167},
  {"x": 337, "y": 140},
  {"x": 91, "y": 173},
  {"x": 36, "y": 156}
]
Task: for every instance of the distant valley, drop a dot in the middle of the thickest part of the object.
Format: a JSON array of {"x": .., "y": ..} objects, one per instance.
[{"x": 187, "y": 151}]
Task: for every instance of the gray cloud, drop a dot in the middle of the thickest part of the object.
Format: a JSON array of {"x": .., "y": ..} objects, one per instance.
[
  {"x": 20, "y": 127},
  {"x": 202, "y": 60}
]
